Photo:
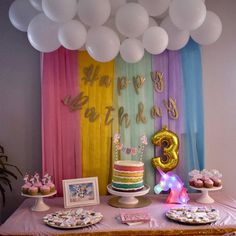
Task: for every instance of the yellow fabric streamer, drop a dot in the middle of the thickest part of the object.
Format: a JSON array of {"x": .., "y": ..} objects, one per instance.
[{"x": 96, "y": 82}]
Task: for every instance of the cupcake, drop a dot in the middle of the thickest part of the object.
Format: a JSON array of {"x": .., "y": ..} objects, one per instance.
[
  {"x": 191, "y": 181},
  {"x": 37, "y": 182},
  {"x": 198, "y": 183},
  {"x": 25, "y": 188},
  {"x": 51, "y": 186},
  {"x": 33, "y": 190},
  {"x": 216, "y": 182},
  {"x": 208, "y": 183},
  {"x": 44, "y": 190}
]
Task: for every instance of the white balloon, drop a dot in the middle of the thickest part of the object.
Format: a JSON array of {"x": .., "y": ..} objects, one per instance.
[
  {"x": 187, "y": 14},
  {"x": 177, "y": 38},
  {"x": 209, "y": 31},
  {"x": 59, "y": 10},
  {"x": 111, "y": 24},
  {"x": 102, "y": 43},
  {"x": 131, "y": 50},
  {"x": 42, "y": 34},
  {"x": 155, "y": 7},
  {"x": 131, "y": 20},
  {"x": 155, "y": 40},
  {"x": 94, "y": 12},
  {"x": 21, "y": 13},
  {"x": 115, "y": 5},
  {"x": 37, "y": 4},
  {"x": 152, "y": 22},
  {"x": 72, "y": 35}
]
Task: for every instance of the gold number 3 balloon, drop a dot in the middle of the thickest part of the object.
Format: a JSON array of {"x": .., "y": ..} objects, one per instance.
[{"x": 169, "y": 143}]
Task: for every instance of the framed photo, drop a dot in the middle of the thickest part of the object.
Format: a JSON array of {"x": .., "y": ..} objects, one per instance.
[{"x": 80, "y": 192}]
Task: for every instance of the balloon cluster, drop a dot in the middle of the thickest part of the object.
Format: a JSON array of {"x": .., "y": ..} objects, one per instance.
[{"x": 106, "y": 27}]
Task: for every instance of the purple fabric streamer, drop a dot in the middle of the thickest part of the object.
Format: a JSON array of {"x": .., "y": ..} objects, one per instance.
[{"x": 169, "y": 63}]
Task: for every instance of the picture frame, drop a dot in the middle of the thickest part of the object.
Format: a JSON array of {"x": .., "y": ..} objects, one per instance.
[{"x": 80, "y": 192}]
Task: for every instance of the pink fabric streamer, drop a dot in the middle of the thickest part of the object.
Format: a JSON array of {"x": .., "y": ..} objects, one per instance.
[{"x": 60, "y": 130}]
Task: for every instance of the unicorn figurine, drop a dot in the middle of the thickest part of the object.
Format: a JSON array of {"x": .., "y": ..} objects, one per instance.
[{"x": 169, "y": 180}]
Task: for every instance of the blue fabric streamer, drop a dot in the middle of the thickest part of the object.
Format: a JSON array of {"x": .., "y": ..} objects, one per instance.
[{"x": 193, "y": 107}]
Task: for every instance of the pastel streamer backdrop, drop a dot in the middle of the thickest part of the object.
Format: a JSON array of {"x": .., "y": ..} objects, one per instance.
[
  {"x": 61, "y": 156},
  {"x": 130, "y": 100},
  {"x": 193, "y": 107},
  {"x": 75, "y": 147},
  {"x": 169, "y": 63},
  {"x": 96, "y": 137}
]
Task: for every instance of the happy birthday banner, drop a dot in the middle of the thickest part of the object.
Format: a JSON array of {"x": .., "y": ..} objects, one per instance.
[{"x": 104, "y": 99}]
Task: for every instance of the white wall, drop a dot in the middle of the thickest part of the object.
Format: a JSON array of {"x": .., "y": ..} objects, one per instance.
[
  {"x": 219, "y": 80},
  {"x": 20, "y": 113}
]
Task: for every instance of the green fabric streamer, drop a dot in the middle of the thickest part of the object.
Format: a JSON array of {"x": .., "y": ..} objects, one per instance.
[{"x": 130, "y": 100}]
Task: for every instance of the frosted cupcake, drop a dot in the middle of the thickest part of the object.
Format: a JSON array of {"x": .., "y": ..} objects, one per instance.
[
  {"x": 37, "y": 182},
  {"x": 25, "y": 187},
  {"x": 33, "y": 190},
  {"x": 51, "y": 185},
  {"x": 44, "y": 190}
]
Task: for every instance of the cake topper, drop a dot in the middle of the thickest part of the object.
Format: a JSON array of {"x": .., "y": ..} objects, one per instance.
[{"x": 133, "y": 151}]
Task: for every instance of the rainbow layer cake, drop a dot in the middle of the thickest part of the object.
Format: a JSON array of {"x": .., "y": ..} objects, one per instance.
[{"x": 128, "y": 175}]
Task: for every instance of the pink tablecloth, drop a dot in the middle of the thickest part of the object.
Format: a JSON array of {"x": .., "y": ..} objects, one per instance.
[{"x": 26, "y": 222}]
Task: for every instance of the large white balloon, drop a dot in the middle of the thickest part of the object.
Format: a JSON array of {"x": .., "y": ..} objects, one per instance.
[
  {"x": 37, "y": 4},
  {"x": 209, "y": 31},
  {"x": 131, "y": 50},
  {"x": 112, "y": 25},
  {"x": 131, "y": 20},
  {"x": 42, "y": 34},
  {"x": 187, "y": 14},
  {"x": 155, "y": 40},
  {"x": 177, "y": 38},
  {"x": 21, "y": 13},
  {"x": 102, "y": 43},
  {"x": 60, "y": 10},
  {"x": 72, "y": 35},
  {"x": 94, "y": 12},
  {"x": 115, "y": 5},
  {"x": 155, "y": 7}
]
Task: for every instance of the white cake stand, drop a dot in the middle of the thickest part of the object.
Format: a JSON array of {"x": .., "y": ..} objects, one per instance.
[
  {"x": 39, "y": 204},
  {"x": 205, "y": 198},
  {"x": 128, "y": 198}
]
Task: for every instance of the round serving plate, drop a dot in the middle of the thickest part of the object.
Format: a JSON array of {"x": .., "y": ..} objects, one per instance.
[
  {"x": 57, "y": 219},
  {"x": 205, "y": 198},
  {"x": 188, "y": 216}
]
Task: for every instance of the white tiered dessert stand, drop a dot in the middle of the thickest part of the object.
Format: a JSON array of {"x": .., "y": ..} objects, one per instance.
[
  {"x": 128, "y": 199},
  {"x": 39, "y": 204},
  {"x": 205, "y": 198}
]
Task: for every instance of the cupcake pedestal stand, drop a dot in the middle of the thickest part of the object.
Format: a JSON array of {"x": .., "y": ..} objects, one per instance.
[
  {"x": 128, "y": 199},
  {"x": 39, "y": 204},
  {"x": 205, "y": 198}
]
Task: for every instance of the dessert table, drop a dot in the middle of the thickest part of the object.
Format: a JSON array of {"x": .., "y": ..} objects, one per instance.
[{"x": 26, "y": 222}]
